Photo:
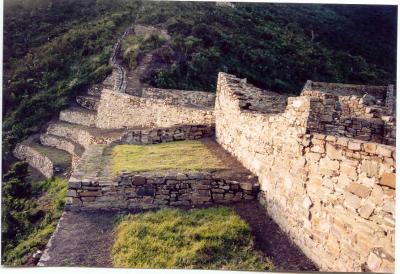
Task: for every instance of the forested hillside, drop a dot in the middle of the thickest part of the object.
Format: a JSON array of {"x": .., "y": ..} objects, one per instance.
[{"x": 53, "y": 49}]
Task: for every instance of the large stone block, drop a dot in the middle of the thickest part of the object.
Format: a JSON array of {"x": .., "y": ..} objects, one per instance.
[
  {"x": 359, "y": 190},
  {"x": 388, "y": 179}
]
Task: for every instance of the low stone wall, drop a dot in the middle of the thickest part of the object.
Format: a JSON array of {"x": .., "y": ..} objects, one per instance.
[
  {"x": 160, "y": 135},
  {"x": 334, "y": 196},
  {"x": 379, "y": 92},
  {"x": 149, "y": 190},
  {"x": 251, "y": 98},
  {"x": 78, "y": 116},
  {"x": 327, "y": 117},
  {"x": 48, "y": 161},
  {"x": 61, "y": 143},
  {"x": 84, "y": 136},
  {"x": 37, "y": 160},
  {"x": 181, "y": 97},
  {"x": 117, "y": 110}
]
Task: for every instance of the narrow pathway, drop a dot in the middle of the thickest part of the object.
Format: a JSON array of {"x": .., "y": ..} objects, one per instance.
[
  {"x": 272, "y": 241},
  {"x": 83, "y": 239}
]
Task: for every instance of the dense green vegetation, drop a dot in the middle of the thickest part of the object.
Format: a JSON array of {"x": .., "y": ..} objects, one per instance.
[
  {"x": 183, "y": 156},
  {"x": 30, "y": 211},
  {"x": 212, "y": 238},
  {"x": 276, "y": 46},
  {"x": 134, "y": 47}
]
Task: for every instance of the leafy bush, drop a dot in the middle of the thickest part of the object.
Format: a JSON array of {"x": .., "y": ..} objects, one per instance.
[
  {"x": 275, "y": 46},
  {"x": 213, "y": 238},
  {"x": 29, "y": 213},
  {"x": 135, "y": 46}
]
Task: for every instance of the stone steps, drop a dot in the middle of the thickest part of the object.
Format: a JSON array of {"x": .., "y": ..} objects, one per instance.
[
  {"x": 47, "y": 160},
  {"x": 79, "y": 116},
  {"x": 62, "y": 143},
  {"x": 84, "y": 135},
  {"x": 88, "y": 101},
  {"x": 94, "y": 164}
]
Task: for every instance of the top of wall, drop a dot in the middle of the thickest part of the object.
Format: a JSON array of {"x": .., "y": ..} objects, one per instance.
[
  {"x": 191, "y": 98},
  {"x": 379, "y": 92},
  {"x": 321, "y": 112},
  {"x": 253, "y": 99}
]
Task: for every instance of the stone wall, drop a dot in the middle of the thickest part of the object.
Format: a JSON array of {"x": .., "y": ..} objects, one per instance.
[
  {"x": 350, "y": 116},
  {"x": 117, "y": 110},
  {"x": 36, "y": 159},
  {"x": 391, "y": 99},
  {"x": 84, "y": 136},
  {"x": 334, "y": 196},
  {"x": 79, "y": 116},
  {"x": 181, "y": 97},
  {"x": 379, "y": 92},
  {"x": 161, "y": 135},
  {"x": 151, "y": 190}
]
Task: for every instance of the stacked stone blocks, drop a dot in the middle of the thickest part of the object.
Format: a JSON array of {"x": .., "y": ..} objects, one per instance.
[
  {"x": 335, "y": 196},
  {"x": 149, "y": 190}
]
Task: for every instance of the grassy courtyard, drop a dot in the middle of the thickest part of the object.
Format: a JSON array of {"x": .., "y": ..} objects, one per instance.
[
  {"x": 212, "y": 238},
  {"x": 183, "y": 156}
]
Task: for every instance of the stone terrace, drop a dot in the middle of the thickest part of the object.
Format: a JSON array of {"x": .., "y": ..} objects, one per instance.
[
  {"x": 93, "y": 187},
  {"x": 322, "y": 163}
]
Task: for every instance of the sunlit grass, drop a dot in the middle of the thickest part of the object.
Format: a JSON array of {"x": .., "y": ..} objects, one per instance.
[
  {"x": 183, "y": 155},
  {"x": 212, "y": 238}
]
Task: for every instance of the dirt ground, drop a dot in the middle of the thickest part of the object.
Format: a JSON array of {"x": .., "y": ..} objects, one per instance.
[
  {"x": 86, "y": 239},
  {"x": 272, "y": 241}
]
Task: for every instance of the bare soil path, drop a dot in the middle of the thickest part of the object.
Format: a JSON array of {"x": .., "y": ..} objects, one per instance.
[
  {"x": 272, "y": 241},
  {"x": 86, "y": 238},
  {"x": 81, "y": 239}
]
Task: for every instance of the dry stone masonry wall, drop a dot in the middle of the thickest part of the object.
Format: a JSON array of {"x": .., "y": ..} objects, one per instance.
[
  {"x": 46, "y": 162},
  {"x": 181, "y": 97},
  {"x": 350, "y": 116},
  {"x": 117, "y": 110},
  {"x": 162, "y": 135},
  {"x": 333, "y": 195},
  {"x": 132, "y": 190}
]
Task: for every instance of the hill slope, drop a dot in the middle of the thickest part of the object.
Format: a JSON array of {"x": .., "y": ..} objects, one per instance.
[{"x": 54, "y": 48}]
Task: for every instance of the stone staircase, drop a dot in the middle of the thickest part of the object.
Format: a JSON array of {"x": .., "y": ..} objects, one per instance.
[
  {"x": 59, "y": 149},
  {"x": 75, "y": 130}
]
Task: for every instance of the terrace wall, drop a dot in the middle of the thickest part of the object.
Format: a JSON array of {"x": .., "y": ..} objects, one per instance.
[
  {"x": 149, "y": 190},
  {"x": 118, "y": 110}
]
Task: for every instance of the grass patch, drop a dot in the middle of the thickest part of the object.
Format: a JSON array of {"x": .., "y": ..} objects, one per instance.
[
  {"x": 212, "y": 238},
  {"x": 183, "y": 156},
  {"x": 40, "y": 216}
]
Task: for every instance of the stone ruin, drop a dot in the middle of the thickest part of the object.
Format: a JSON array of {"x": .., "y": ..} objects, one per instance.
[{"x": 322, "y": 163}]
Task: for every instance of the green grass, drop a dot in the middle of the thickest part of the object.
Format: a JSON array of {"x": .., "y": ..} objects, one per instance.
[
  {"x": 183, "y": 156},
  {"x": 57, "y": 156},
  {"x": 51, "y": 203},
  {"x": 212, "y": 238}
]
